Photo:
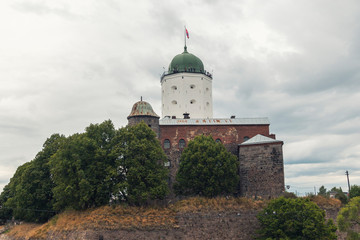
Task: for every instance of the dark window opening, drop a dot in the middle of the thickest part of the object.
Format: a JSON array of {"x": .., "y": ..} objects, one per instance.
[
  {"x": 167, "y": 144},
  {"x": 246, "y": 138},
  {"x": 181, "y": 143},
  {"x": 218, "y": 140}
]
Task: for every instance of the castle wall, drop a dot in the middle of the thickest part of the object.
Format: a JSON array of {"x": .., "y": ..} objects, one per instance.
[
  {"x": 152, "y": 122},
  {"x": 230, "y": 135},
  {"x": 261, "y": 170}
]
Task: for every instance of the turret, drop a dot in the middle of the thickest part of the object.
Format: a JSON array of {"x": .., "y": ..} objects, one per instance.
[
  {"x": 186, "y": 88},
  {"x": 142, "y": 111}
]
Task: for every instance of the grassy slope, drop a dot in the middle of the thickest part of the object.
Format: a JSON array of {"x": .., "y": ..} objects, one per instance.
[{"x": 126, "y": 217}]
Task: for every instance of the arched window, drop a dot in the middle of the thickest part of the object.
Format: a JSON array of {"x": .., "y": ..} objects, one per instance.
[
  {"x": 181, "y": 143},
  {"x": 167, "y": 144},
  {"x": 218, "y": 140},
  {"x": 246, "y": 138}
]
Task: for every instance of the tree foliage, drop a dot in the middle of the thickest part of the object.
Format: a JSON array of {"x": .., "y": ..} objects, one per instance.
[
  {"x": 29, "y": 193},
  {"x": 87, "y": 170},
  {"x": 206, "y": 168},
  {"x": 340, "y": 195},
  {"x": 294, "y": 219},
  {"x": 322, "y": 191},
  {"x": 354, "y": 191},
  {"x": 349, "y": 218},
  {"x": 140, "y": 167}
]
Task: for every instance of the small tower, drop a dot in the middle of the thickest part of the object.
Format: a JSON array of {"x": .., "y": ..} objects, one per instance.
[
  {"x": 186, "y": 88},
  {"x": 142, "y": 111}
]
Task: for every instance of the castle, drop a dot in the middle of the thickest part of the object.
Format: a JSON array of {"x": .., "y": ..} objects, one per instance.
[{"x": 187, "y": 111}]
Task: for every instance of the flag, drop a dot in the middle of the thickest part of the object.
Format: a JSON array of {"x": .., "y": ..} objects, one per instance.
[{"x": 187, "y": 33}]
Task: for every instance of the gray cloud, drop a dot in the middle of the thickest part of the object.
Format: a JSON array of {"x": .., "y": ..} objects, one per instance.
[{"x": 67, "y": 64}]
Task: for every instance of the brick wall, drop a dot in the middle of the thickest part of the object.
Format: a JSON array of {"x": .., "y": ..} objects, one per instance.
[{"x": 230, "y": 135}]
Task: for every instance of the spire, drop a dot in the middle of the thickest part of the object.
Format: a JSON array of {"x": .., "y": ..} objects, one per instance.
[{"x": 185, "y": 49}]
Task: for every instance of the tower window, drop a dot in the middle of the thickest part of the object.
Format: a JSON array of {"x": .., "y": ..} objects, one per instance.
[
  {"x": 174, "y": 87},
  {"x": 192, "y": 86},
  {"x": 167, "y": 144},
  {"x": 174, "y": 102},
  {"x": 207, "y": 89},
  {"x": 192, "y": 101},
  {"x": 182, "y": 143},
  {"x": 207, "y": 103}
]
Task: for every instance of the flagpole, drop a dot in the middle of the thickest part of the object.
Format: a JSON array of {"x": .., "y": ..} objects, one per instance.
[{"x": 185, "y": 35}]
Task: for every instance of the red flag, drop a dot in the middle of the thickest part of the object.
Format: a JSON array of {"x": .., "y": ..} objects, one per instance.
[{"x": 187, "y": 33}]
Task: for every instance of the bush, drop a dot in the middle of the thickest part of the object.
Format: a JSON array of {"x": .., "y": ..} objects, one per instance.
[{"x": 294, "y": 219}]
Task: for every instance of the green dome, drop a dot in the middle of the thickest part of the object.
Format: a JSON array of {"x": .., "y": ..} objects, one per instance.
[{"x": 186, "y": 62}]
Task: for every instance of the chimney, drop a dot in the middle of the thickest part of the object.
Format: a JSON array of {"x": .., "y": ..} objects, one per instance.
[
  {"x": 186, "y": 115},
  {"x": 233, "y": 116}
]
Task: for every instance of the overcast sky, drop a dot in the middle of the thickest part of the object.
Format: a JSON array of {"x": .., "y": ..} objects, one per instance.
[{"x": 65, "y": 64}]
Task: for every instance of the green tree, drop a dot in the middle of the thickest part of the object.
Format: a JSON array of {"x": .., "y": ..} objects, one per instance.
[
  {"x": 33, "y": 197},
  {"x": 322, "y": 191},
  {"x": 140, "y": 172},
  {"x": 80, "y": 168},
  {"x": 349, "y": 218},
  {"x": 206, "y": 168},
  {"x": 297, "y": 218},
  {"x": 354, "y": 191},
  {"x": 340, "y": 195},
  {"x": 7, "y": 197}
]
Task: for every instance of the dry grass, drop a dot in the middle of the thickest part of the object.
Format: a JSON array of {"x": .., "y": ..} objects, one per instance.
[
  {"x": 25, "y": 230},
  {"x": 109, "y": 218},
  {"x": 201, "y": 204},
  {"x": 324, "y": 202},
  {"x": 125, "y": 217}
]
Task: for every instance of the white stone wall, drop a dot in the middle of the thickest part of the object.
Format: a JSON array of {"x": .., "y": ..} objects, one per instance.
[{"x": 187, "y": 92}]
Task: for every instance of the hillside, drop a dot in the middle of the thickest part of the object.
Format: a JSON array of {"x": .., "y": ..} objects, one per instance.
[{"x": 195, "y": 218}]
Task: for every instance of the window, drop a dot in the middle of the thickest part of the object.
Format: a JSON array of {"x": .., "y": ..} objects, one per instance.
[
  {"x": 174, "y": 102},
  {"x": 167, "y": 144},
  {"x": 181, "y": 143},
  {"x": 192, "y": 86},
  {"x": 246, "y": 138},
  {"x": 174, "y": 87},
  {"x": 218, "y": 140},
  {"x": 192, "y": 101}
]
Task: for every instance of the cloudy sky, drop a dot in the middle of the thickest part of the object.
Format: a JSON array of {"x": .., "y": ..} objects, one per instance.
[{"x": 65, "y": 64}]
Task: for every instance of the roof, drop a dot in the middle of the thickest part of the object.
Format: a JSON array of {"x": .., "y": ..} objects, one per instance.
[
  {"x": 186, "y": 62},
  {"x": 215, "y": 121},
  {"x": 260, "y": 139},
  {"x": 142, "y": 108}
]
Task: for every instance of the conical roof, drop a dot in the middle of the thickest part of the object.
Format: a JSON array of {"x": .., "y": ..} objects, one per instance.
[{"x": 142, "y": 108}]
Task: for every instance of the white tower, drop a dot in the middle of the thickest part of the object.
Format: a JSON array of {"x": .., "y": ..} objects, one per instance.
[{"x": 186, "y": 88}]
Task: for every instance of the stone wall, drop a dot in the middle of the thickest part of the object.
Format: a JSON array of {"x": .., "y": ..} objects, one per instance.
[
  {"x": 152, "y": 122},
  {"x": 261, "y": 170}
]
